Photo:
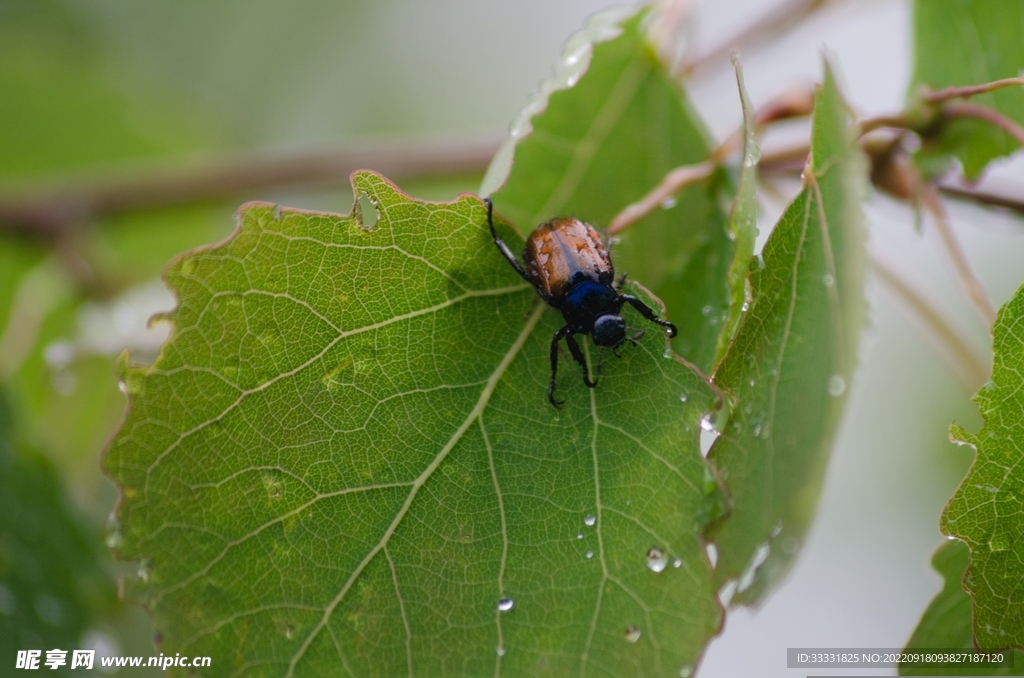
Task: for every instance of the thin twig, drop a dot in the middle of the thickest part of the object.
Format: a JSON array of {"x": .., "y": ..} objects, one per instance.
[
  {"x": 970, "y": 366},
  {"x": 865, "y": 125},
  {"x": 758, "y": 32},
  {"x": 938, "y": 96},
  {"x": 796, "y": 102},
  {"x": 975, "y": 290},
  {"x": 785, "y": 160},
  {"x": 52, "y": 208},
  {"x": 673, "y": 182},
  {"x": 990, "y": 115},
  {"x": 985, "y": 197}
]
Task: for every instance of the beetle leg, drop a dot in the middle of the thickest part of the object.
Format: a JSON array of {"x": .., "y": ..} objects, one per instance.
[
  {"x": 554, "y": 364},
  {"x": 646, "y": 312},
  {"x": 502, "y": 247},
  {"x": 574, "y": 348}
]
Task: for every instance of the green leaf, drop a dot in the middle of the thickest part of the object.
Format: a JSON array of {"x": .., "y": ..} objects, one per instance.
[
  {"x": 960, "y": 43},
  {"x": 344, "y": 458},
  {"x": 603, "y": 143},
  {"x": 788, "y": 368},
  {"x": 742, "y": 222},
  {"x": 985, "y": 510},
  {"x": 51, "y": 584},
  {"x": 946, "y": 624}
]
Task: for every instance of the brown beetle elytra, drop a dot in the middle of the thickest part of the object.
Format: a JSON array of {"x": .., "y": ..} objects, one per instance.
[{"x": 570, "y": 268}]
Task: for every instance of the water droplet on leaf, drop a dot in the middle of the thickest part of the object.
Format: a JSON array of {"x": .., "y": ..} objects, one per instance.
[
  {"x": 656, "y": 559},
  {"x": 836, "y": 385},
  {"x": 589, "y": 521},
  {"x": 632, "y": 634},
  {"x": 506, "y": 604}
]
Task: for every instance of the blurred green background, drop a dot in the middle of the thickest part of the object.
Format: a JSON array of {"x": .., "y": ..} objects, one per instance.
[{"x": 93, "y": 89}]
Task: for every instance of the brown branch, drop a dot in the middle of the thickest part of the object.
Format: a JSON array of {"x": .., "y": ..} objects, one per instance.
[
  {"x": 758, "y": 32},
  {"x": 984, "y": 197},
  {"x": 674, "y": 181},
  {"x": 786, "y": 160},
  {"x": 968, "y": 364},
  {"x": 975, "y": 290},
  {"x": 989, "y": 115},
  {"x": 939, "y": 96},
  {"x": 54, "y": 207}
]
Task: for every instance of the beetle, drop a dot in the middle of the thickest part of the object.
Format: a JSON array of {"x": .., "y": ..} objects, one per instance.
[{"x": 569, "y": 266}]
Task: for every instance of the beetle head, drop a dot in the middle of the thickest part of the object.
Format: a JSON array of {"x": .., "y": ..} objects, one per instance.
[{"x": 609, "y": 330}]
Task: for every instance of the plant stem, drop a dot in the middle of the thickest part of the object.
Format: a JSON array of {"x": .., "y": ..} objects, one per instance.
[
  {"x": 968, "y": 364},
  {"x": 941, "y": 95},
  {"x": 674, "y": 181},
  {"x": 989, "y": 115},
  {"x": 975, "y": 290},
  {"x": 52, "y": 208},
  {"x": 758, "y": 32},
  {"x": 994, "y": 198}
]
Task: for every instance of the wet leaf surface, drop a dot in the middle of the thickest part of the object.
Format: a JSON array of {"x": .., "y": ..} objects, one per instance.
[
  {"x": 788, "y": 369},
  {"x": 946, "y": 624},
  {"x": 344, "y": 462},
  {"x": 985, "y": 512}
]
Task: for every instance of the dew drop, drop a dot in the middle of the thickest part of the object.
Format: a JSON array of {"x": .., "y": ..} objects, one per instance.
[
  {"x": 745, "y": 307},
  {"x": 712, "y": 551},
  {"x": 685, "y": 671},
  {"x": 705, "y": 424},
  {"x": 500, "y": 650},
  {"x": 656, "y": 560},
  {"x": 113, "y": 531},
  {"x": 589, "y": 554},
  {"x": 706, "y": 311},
  {"x": 677, "y": 563},
  {"x": 122, "y": 386},
  {"x": 752, "y": 381},
  {"x": 579, "y": 535},
  {"x": 836, "y": 385},
  {"x": 682, "y": 398},
  {"x": 668, "y": 203},
  {"x": 753, "y": 155},
  {"x": 828, "y": 279},
  {"x": 289, "y": 631},
  {"x": 589, "y": 521},
  {"x": 632, "y": 634},
  {"x": 144, "y": 570},
  {"x": 506, "y": 604}
]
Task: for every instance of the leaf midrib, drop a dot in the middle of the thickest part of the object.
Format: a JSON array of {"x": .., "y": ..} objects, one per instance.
[{"x": 474, "y": 414}]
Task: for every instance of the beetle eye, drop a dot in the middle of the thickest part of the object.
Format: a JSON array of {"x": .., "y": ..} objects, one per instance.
[{"x": 609, "y": 330}]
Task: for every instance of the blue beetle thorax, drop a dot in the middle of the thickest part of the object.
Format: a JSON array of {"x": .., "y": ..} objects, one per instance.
[{"x": 585, "y": 301}]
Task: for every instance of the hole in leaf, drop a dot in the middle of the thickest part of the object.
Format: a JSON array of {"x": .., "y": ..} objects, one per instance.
[{"x": 367, "y": 212}]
